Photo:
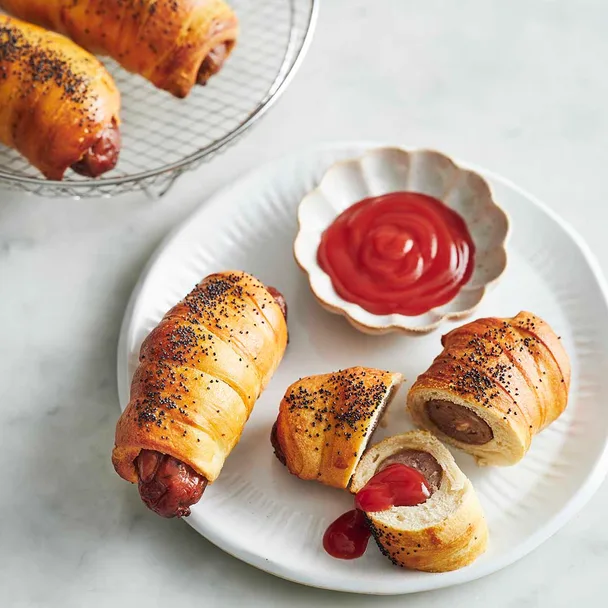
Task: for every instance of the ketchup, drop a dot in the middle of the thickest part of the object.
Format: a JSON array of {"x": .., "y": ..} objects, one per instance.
[
  {"x": 396, "y": 486},
  {"x": 347, "y": 537},
  {"x": 402, "y": 252}
]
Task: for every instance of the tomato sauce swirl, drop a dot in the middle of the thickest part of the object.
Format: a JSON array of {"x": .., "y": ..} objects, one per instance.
[{"x": 400, "y": 253}]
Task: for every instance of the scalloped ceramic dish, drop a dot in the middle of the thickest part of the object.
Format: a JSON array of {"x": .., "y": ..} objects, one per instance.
[{"x": 385, "y": 170}]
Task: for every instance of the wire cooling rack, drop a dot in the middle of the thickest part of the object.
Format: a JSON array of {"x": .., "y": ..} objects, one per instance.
[{"x": 162, "y": 137}]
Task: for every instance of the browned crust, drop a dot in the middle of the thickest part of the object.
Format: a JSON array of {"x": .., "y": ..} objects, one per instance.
[
  {"x": 166, "y": 41},
  {"x": 201, "y": 370},
  {"x": 431, "y": 550},
  {"x": 56, "y": 99},
  {"x": 513, "y": 372},
  {"x": 325, "y": 422}
]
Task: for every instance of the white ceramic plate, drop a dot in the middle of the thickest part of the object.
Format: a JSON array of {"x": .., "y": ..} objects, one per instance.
[{"x": 257, "y": 511}]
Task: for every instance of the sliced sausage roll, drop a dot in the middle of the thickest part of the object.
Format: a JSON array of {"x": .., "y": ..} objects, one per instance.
[
  {"x": 496, "y": 384},
  {"x": 325, "y": 422},
  {"x": 446, "y": 532}
]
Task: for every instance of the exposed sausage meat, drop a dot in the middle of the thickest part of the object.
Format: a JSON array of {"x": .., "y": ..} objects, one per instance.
[
  {"x": 423, "y": 462},
  {"x": 102, "y": 156},
  {"x": 279, "y": 299},
  {"x": 166, "y": 485},
  {"x": 212, "y": 63},
  {"x": 459, "y": 422}
]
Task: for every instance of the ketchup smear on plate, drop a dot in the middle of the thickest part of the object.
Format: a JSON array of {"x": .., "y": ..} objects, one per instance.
[
  {"x": 396, "y": 486},
  {"x": 402, "y": 253},
  {"x": 347, "y": 537}
]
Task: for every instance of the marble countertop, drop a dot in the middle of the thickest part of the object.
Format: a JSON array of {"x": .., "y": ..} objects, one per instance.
[{"x": 517, "y": 87}]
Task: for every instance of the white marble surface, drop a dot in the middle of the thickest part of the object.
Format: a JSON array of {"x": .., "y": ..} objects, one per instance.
[{"x": 519, "y": 87}]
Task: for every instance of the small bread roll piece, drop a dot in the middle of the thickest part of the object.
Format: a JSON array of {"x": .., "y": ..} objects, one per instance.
[
  {"x": 325, "y": 422},
  {"x": 496, "y": 384},
  {"x": 446, "y": 532}
]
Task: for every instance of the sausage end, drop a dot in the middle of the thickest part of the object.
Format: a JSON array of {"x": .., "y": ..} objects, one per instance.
[
  {"x": 102, "y": 156},
  {"x": 166, "y": 485}
]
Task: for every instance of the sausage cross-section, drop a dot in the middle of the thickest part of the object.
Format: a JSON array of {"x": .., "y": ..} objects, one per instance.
[
  {"x": 426, "y": 464},
  {"x": 445, "y": 532},
  {"x": 496, "y": 384},
  {"x": 459, "y": 422}
]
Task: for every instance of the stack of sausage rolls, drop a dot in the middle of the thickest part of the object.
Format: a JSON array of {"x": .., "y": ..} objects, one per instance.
[{"x": 60, "y": 107}]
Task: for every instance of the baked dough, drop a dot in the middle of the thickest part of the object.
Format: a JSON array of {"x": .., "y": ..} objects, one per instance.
[
  {"x": 172, "y": 43},
  {"x": 446, "y": 532},
  {"x": 200, "y": 372},
  {"x": 325, "y": 422},
  {"x": 496, "y": 384}
]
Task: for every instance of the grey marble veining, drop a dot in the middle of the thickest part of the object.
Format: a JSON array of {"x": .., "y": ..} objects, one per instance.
[{"x": 518, "y": 87}]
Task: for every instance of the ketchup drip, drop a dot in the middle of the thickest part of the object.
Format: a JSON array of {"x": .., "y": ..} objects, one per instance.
[
  {"x": 402, "y": 252},
  {"x": 396, "y": 486},
  {"x": 347, "y": 537}
]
